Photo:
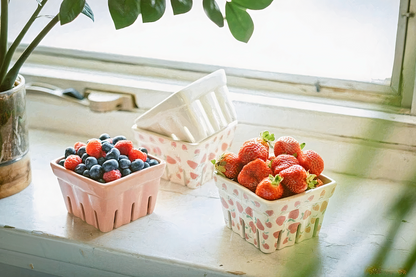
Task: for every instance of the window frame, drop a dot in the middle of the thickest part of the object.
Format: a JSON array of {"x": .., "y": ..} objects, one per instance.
[{"x": 398, "y": 97}]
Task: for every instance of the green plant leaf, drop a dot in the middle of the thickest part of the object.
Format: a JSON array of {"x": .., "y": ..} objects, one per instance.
[
  {"x": 124, "y": 12},
  {"x": 152, "y": 10},
  {"x": 181, "y": 6},
  {"x": 88, "y": 11},
  {"x": 239, "y": 22},
  {"x": 213, "y": 12},
  {"x": 253, "y": 5},
  {"x": 70, "y": 9}
]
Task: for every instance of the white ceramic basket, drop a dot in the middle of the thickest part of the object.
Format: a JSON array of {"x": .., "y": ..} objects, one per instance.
[
  {"x": 188, "y": 164},
  {"x": 194, "y": 113},
  {"x": 272, "y": 225}
]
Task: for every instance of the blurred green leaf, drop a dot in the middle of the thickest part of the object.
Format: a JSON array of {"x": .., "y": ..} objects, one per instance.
[
  {"x": 70, "y": 9},
  {"x": 253, "y": 5},
  {"x": 213, "y": 12},
  {"x": 88, "y": 11},
  {"x": 124, "y": 12},
  {"x": 152, "y": 10},
  {"x": 239, "y": 21},
  {"x": 181, "y": 6}
]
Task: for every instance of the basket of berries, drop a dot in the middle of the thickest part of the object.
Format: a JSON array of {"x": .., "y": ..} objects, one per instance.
[
  {"x": 273, "y": 201},
  {"x": 107, "y": 182}
]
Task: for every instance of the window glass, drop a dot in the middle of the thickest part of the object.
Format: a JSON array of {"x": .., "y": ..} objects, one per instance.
[{"x": 352, "y": 40}]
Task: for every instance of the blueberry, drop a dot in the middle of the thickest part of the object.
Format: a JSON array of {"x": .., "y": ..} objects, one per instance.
[
  {"x": 70, "y": 151},
  {"x": 101, "y": 160},
  {"x": 84, "y": 157},
  {"x": 81, "y": 151},
  {"x": 86, "y": 173},
  {"x": 110, "y": 165},
  {"x": 80, "y": 168},
  {"x": 106, "y": 146},
  {"x": 104, "y": 136},
  {"x": 125, "y": 172},
  {"x": 114, "y": 153},
  {"x": 96, "y": 172},
  {"x": 144, "y": 150},
  {"x": 118, "y": 138},
  {"x": 101, "y": 181},
  {"x": 124, "y": 163},
  {"x": 137, "y": 165},
  {"x": 123, "y": 157},
  {"x": 147, "y": 160},
  {"x": 153, "y": 162},
  {"x": 61, "y": 162},
  {"x": 146, "y": 165},
  {"x": 90, "y": 161}
]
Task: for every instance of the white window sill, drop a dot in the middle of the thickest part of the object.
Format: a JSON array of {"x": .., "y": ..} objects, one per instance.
[{"x": 186, "y": 234}]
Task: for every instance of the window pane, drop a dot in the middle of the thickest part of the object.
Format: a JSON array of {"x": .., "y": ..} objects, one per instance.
[{"x": 352, "y": 40}]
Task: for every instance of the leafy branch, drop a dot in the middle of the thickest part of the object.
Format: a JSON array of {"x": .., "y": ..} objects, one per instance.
[{"x": 123, "y": 13}]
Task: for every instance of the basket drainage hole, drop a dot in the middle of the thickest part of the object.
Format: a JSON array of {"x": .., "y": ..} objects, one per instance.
[
  {"x": 69, "y": 205},
  {"x": 115, "y": 218},
  {"x": 132, "y": 212},
  {"x": 83, "y": 212},
  {"x": 149, "y": 205}
]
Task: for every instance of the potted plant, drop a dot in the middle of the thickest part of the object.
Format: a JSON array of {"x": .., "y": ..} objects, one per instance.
[{"x": 14, "y": 159}]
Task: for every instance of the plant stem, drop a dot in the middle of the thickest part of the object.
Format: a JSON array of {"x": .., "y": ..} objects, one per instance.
[
  {"x": 14, "y": 71},
  {"x": 4, "y": 29},
  {"x": 7, "y": 59}
]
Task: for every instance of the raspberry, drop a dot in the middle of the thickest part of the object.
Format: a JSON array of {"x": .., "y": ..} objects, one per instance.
[
  {"x": 135, "y": 154},
  {"x": 78, "y": 145},
  {"x": 72, "y": 161},
  {"x": 124, "y": 146},
  {"x": 93, "y": 148},
  {"x": 111, "y": 175}
]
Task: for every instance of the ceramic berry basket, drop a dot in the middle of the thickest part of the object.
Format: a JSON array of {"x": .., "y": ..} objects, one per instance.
[
  {"x": 188, "y": 164},
  {"x": 272, "y": 225},
  {"x": 110, "y": 205}
]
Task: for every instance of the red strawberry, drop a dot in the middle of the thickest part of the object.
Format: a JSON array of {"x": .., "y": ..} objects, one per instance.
[
  {"x": 93, "y": 148},
  {"x": 287, "y": 145},
  {"x": 295, "y": 178},
  {"x": 111, "y": 175},
  {"x": 312, "y": 162},
  {"x": 72, "y": 161},
  {"x": 228, "y": 165},
  {"x": 124, "y": 146},
  {"x": 265, "y": 139},
  {"x": 252, "y": 150},
  {"x": 282, "y": 162},
  {"x": 78, "y": 145},
  {"x": 270, "y": 188},
  {"x": 135, "y": 154},
  {"x": 253, "y": 173}
]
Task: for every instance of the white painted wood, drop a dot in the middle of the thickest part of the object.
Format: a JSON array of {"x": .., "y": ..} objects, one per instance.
[{"x": 400, "y": 44}]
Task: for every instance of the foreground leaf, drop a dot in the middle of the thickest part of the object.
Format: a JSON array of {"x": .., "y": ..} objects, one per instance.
[
  {"x": 88, "y": 11},
  {"x": 124, "y": 12},
  {"x": 152, "y": 10},
  {"x": 181, "y": 6},
  {"x": 70, "y": 9},
  {"x": 213, "y": 12},
  {"x": 239, "y": 22},
  {"x": 253, "y": 5}
]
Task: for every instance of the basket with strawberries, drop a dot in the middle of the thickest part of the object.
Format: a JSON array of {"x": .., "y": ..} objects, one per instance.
[{"x": 273, "y": 192}]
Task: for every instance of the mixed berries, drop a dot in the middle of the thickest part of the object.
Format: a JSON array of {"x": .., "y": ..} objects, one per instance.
[
  {"x": 107, "y": 158},
  {"x": 291, "y": 170}
]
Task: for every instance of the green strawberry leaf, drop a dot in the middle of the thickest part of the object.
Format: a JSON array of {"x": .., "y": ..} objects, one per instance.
[
  {"x": 302, "y": 145},
  {"x": 213, "y": 161}
]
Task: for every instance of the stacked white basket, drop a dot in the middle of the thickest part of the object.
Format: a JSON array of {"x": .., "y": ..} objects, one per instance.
[{"x": 189, "y": 128}]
